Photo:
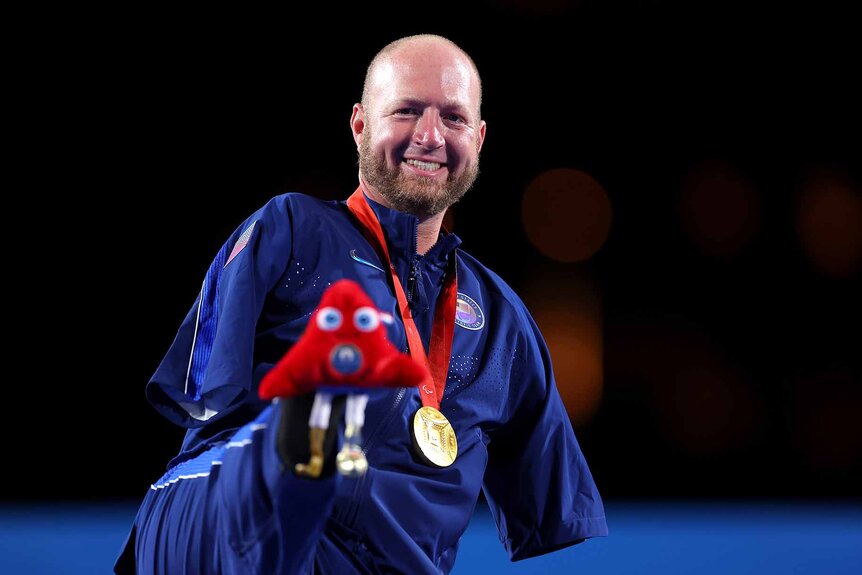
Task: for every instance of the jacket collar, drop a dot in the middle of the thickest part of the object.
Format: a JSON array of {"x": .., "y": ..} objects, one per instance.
[{"x": 401, "y": 231}]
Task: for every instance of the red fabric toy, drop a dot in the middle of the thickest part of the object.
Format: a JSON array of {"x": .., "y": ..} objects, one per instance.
[{"x": 344, "y": 349}]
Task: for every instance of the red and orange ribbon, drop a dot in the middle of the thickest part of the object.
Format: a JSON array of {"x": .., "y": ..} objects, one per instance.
[{"x": 442, "y": 330}]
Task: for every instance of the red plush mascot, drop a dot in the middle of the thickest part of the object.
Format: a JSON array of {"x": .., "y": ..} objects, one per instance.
[{"x": 344, "y": 349}]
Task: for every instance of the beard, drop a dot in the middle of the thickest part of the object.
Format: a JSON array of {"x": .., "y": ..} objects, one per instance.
[{"x": 417, "y": 195}]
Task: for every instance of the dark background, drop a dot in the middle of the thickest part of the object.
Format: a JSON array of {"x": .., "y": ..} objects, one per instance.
[{"x": 155, "y": 135}]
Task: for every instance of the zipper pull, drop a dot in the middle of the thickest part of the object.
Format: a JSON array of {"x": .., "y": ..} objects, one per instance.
[{"x": 411, "y": 282}]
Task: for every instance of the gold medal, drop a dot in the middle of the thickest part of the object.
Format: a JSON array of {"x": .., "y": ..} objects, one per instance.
[{"x": 434, "y": 437}]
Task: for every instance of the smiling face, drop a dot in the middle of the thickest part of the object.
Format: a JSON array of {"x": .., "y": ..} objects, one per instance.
[{"x": 418, "y": 130}]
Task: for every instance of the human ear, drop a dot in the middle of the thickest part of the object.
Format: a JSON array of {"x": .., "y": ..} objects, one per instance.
[{"x": 357, "y": 123}]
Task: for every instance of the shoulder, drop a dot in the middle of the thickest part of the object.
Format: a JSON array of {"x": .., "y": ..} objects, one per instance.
[
  {"x": 291, "y": 212},
  {"x": 298, "y": 202},
  {"x": 496, "y": 293},
  {"x": 471, "y": 265}
]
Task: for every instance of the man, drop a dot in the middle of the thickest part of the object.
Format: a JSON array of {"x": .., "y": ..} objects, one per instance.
[{"x": 231, "y": 502}]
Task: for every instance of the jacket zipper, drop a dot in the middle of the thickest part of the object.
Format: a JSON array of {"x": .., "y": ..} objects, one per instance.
[
  {"x": 411, "y": 282},
  {"x": 348, "y": 514}
]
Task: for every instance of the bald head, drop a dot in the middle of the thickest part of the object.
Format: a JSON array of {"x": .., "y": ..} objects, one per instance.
[{"x": 412, "y": 49}]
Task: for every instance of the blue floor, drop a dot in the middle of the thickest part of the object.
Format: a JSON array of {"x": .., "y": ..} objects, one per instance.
[{"x": 701, "y": 538}]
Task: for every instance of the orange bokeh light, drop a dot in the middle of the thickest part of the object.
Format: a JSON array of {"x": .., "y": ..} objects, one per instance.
[
  {"x": 704, "y": 402},
  {"x": 829, "y": 224},
  {"x": 719, "y": 207},
  {"x": 567, "y": 310},
  {"x": 566, "y": 214}
]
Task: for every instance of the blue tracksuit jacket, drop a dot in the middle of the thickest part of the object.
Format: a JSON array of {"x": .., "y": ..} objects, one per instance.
[{"x": 226, "y": 506}]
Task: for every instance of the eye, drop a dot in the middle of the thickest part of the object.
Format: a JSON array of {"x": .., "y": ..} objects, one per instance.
[
  {"x": 328, "y": 319},
  {"x": 406, "y": 112},
  {"x": 454, "y": 118},
  {"x": 366, "y": 319}
]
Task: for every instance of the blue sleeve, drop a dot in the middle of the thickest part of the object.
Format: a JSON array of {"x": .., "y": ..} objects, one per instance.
[
  {"x": 207, "y": 371},
  {"x": 537, "y": 483}
]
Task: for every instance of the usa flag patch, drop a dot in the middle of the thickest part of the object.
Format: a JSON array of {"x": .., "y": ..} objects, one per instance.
[{"x": 240, "y": 243}]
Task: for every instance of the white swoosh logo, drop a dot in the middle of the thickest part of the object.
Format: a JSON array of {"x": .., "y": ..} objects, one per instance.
[{"x": 364, "y": 261}]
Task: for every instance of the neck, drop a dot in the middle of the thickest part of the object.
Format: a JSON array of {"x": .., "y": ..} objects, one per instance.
[
  {"x": 427, "y": 233},
  {"x": 429, "y": 226}
]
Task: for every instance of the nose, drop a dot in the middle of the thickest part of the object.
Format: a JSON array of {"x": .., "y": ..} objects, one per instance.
[{"x": 428, "y": 133}]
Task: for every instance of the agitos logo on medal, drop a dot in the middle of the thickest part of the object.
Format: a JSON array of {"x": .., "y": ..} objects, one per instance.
[{"x": 468, "y": 314}]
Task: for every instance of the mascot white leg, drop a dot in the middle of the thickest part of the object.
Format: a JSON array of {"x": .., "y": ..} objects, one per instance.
[{"x": 350, "y": 460}]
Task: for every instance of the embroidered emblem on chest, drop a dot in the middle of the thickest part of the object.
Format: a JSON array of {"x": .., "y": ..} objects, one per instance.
[{"x": 468, "y": 314}]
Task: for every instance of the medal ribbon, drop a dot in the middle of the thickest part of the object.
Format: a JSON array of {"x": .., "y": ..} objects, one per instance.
[{"x": 443, "y": 328}]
